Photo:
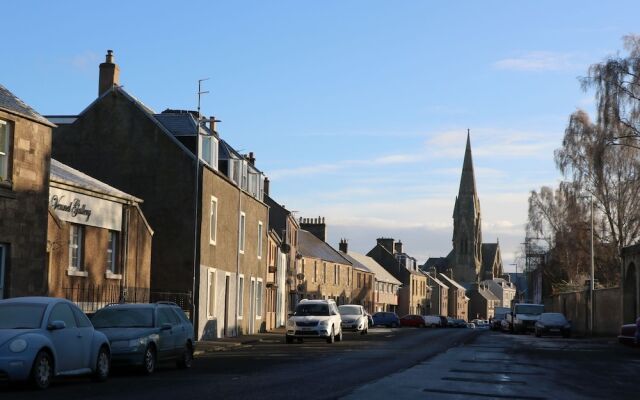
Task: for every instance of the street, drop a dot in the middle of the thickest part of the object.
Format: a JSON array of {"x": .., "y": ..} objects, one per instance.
[{"x": 387, "y": 363}]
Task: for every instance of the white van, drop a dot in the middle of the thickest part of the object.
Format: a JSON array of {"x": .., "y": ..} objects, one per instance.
[{"x": 432, "y": 321}]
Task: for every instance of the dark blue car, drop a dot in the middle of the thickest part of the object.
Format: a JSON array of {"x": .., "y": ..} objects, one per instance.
[
  {"x": 389, "y": 319},
  {"x": 144, "y": 334}
]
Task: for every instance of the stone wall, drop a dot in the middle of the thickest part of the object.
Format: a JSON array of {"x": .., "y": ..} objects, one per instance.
[{"x": 607, "y": 311}]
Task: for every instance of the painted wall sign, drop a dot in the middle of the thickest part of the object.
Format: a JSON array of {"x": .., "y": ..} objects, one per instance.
[{"x": 85, "y": 210}]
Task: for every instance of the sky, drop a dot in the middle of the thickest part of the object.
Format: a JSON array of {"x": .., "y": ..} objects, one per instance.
[{"x": 357, "y": 111}]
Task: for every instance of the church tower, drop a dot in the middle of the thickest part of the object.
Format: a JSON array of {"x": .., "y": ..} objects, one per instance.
[{"x": 466, "y": 257}]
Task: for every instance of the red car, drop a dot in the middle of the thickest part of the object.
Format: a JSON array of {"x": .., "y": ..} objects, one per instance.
[
  {"x": 628, "y": 334},
  {"x": 412, "y": 320}
]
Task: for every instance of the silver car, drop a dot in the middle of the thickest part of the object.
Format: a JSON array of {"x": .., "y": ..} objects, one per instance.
[{"x": 44, "y": 337}]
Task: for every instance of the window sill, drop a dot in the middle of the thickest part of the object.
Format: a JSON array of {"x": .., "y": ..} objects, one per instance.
[
  {"x": 5, "y": 191},
  {"x": 75, "y": 272},
  {"x": 111, "y": 275}
]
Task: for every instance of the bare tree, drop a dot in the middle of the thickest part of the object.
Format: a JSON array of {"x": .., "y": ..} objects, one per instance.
[{"x": 617, "y": 85}]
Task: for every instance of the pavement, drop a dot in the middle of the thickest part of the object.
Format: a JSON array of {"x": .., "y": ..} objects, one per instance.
[{"x": 225, "y": 344}]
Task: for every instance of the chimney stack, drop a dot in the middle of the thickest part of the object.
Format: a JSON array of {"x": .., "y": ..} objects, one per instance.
[
  {"x": 343, "y": 246},
  {"x": 109, "y": 74},
  {"x": 387, "y": 243},
  {"x": 398, "y": 246},
  {"x": 266, "y": 186},
  {"x": 316, "y": 226},
  {"x": 212, "y": 125},
  {"x": 251, "y": 158}
]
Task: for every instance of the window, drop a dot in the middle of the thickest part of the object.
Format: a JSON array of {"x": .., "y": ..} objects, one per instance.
[
  {"x": 259, "y": 298},
  {"x": 303, "y": 268},
  {"x": 336, "y": 274},
  {"x": 5, "y": 151},
  {"x": 76, "y": 236},
  {"x": 166, "y": 316},
  {"x": 259, "y": 239},
  {"x": 243, "y": 219},
  {"x": 244, "y": 183},
  {"x": 213, "y": 220},
  {"x": 349, "y": 277},
  {"x": 315, "y": 271},
  {"x": 211, "y": 292},
  {"x": 209, "y": 150},
  {"x": 62, "y": 312},
  {"x": 112, "y": 252},
  {"x": 240, "y": 296},
  {"x": 324, "y": 275}
]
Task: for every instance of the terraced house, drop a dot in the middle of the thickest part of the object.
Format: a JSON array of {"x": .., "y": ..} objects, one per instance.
[
  {"x": 203, "y": 199},
  {"x": 324, "y": 273}
]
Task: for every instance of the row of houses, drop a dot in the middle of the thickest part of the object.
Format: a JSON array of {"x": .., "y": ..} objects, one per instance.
[{"x": 122, "y": 203}]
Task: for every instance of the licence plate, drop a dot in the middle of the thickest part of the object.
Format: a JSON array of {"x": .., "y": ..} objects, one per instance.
[
  {"x": 554, "y": 330},
  {"x": 304, "y": 328}
]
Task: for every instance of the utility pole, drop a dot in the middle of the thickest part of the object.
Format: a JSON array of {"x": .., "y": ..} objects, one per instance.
[{"x": 591, "y": 283}]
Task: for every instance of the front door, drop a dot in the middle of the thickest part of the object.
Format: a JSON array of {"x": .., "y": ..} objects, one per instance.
[
  {"x": 252, "y": 306},
  {"x": 3, "y": 256},
  {"x": 226, "y": 306}
]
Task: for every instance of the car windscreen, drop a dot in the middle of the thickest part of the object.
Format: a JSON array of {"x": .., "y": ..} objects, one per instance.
[
  {"x": 553, "y": 318},
  {"x": 349, "y": 310},
  {"x": 21, "y": 316},
  {"x": 311, "y": 309},
  {"x": 532, "y": 309},
  {"x": 112, "y": 317}
]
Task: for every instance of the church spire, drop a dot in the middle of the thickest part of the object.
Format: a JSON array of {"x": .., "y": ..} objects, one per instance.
[{"x": 468, "y": 179}]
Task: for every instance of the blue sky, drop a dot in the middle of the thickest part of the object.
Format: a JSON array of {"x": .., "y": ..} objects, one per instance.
[{"x": 356, "y": 110}]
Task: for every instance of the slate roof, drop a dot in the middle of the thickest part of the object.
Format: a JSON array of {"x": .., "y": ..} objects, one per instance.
[
  {"x": 63, "y": 173},
  {"x": 440, "y": 264},
  {"x": 448, "y": 281},
  {"x": 435, "y": 280},
  {"x": 311, "y": 246},
  {"x": 378, "y": 270},
  {"x": 487, "y": 294},
  {"x": 9, "y": 102}
]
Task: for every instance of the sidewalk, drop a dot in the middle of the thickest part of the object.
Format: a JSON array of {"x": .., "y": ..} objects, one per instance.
[{"x": 223, "y": 344}]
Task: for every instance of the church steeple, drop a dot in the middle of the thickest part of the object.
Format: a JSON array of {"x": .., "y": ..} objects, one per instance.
[
  {"x": 468, "y": 179},
  {"x": 467, "y": 224}
]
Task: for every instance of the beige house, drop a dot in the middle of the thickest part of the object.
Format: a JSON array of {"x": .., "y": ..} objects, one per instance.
[{"x": 457, "y": 299}]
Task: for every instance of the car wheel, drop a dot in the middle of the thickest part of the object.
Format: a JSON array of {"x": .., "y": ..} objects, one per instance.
[
  {"x": 332, "y": 337},
  {"x": 187, "y": 357},
  {"x": 394, "y": 324},
  {"x": 42, "y": 370},
  {"x": 103, "y": 365},
  {"x": 149, "y": 361},
  {"x": 288, "y": 339}
]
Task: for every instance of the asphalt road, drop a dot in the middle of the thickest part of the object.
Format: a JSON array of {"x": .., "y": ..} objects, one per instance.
[{"x": 386, "y": 364}]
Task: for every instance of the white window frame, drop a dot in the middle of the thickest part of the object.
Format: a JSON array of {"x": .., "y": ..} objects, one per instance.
[
  {"x": 212, "y": 143},
  {"x": 112, "y": 256},
  {"x": 5, "y": 153},
  {"x": 211, "y": 284},
  {"x": 240, "y": 296},
  {"x": 260, "y": 233},
  {"x": 259, "y": 299},
  {"x": 78, "y": 269},
  {"x": 213, "y": 215},
  {"x": 241, "y": 232}
]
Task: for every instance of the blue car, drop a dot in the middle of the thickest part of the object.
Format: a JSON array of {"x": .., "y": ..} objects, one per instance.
[
  {"x": 44, "y": 337},
  {"x": 143, "y": 335},
  {"x": 389, "y": 319}
]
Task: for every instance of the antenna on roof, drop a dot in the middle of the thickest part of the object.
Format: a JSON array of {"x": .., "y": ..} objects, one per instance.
[{"x": 200, "y": 93}]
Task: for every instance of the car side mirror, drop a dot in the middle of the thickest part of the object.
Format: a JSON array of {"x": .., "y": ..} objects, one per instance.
[
  {"x": 165, "y": 327},
  {"x": 290, "y": 315},
  {"x": 56, "y": 325}
]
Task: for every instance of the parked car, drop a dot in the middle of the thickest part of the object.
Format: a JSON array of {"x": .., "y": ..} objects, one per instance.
[
  {"x": 444, "y": 321},
  {"x": 552, "y": 323},
  {"x": 629, "y": 334},
  {"x": 414, "y": 320},
  {"x": 354, "y": 318},
  {"x": 471, "y": 325},
  {"x": 481, "y": 323},
  {"x": 44, "y": 337},
  {"x": 318, "y": 319},
  {"x": 143, "y": 335},
  {"x": 523, "y": 317},
  {"x": 451, "y": 323},
  {"x": 459, "y": 323},
  {"x": 433, "y": 321},
  {"x": 389, "y": 319},
  {"x": 370, "y": 319}
]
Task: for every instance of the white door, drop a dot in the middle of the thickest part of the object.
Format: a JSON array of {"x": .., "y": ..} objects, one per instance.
[
  {"x": 3, "y": 255},
  {"x": 252, "y": 306}
]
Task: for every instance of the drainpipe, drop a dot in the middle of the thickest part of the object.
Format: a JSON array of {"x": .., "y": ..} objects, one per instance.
[
  {"x": 125, "y": 250},
  {"x": 238, "y": 255}
]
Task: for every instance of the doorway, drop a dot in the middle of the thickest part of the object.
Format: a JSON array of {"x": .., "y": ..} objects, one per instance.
[
  {"x": 226, "y": 306},
  {"x": 3, "y": 257},
  {"x": 252, "y": 306}
]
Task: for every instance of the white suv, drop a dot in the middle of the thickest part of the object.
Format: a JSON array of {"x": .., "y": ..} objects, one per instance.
[{"x": 315, "y": 319}]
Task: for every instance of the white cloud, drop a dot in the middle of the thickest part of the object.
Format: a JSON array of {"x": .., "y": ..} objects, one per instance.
[
  {"x": 84, "y": 61},
  {"x": 539, "y": 61}
]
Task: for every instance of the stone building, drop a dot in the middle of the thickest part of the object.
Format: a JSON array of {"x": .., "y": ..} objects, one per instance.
[
  {"x": 457, "y": 300},
  {"x": 439, "y": 294},
  {"x": 630, "y": 284},
  {"x": 482, "y": 302},
  {"x": 203, "y": 199},
  {"x": 324, "y": 273},
  {"x": 25, "y": 151},
  {"x": 364, "y": 280},
  {"x": 98, "y": 242},
  {"x": 385, "y": 287},
  {"x": 503, "y": 289},
  {"x": 414, "y": 294}
]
